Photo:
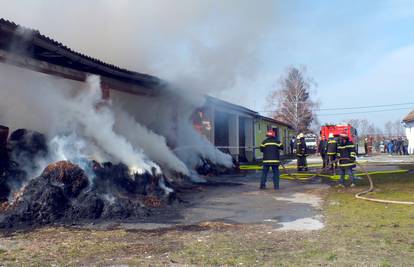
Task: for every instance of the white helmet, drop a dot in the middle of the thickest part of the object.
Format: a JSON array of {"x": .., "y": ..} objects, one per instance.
[{"x": 331, "y": 135}]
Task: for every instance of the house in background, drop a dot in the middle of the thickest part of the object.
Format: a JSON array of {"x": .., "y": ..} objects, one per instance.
[
  {"x": 409, "y": 131},
  {"x": 228, "y": 126},
  {"x": 237, "y": 130},
  {"x": 283, "y": 131}
]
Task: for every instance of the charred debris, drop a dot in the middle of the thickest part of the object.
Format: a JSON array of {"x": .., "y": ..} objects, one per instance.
[{"x": 66, "y": 193}]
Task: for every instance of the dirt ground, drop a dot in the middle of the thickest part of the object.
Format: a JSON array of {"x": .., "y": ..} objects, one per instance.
[{"x": 238, "y": 225}]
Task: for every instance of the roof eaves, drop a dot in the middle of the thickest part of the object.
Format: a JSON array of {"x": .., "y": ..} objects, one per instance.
[
  {"x": 48, "y": 43},
  {"x": 220, "y": 102},
  {"x": 274, "y": 121}
]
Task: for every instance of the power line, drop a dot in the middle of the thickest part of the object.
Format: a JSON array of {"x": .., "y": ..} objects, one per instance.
[
  {"x": 363, "y": 107},
  {"x": 358, "y": 107},
  {"x": 363, "y": 112}
]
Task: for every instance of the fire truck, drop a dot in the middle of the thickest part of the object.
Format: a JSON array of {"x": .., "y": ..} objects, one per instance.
[{"x": 338, "y": 129}]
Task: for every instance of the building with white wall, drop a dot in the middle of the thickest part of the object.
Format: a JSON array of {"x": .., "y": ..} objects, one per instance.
[{"x": 409, "y": 131}]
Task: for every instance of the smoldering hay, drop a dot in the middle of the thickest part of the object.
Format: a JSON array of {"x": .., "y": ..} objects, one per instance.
[{"x": 80, "y": 125}]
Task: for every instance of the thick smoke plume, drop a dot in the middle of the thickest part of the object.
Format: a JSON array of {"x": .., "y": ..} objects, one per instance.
[
  {"x": 73, "y": 116},
  {"x": 80, "y": 126},
  {"x": 202, "y": 45}
]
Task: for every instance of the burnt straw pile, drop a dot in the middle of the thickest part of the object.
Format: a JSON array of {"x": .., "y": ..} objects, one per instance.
[{"x": 66, "y": 193}]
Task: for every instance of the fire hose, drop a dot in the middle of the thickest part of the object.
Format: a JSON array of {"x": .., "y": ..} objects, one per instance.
[
  {"x": 371, "y": 188},
  {"x": 359, "y": 195}
]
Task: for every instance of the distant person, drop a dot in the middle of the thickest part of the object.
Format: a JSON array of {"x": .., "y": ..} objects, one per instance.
[
  {"x": 400, "y": 146},
  {"x": 366, "y": 145},
  {"x": 270, "y": 148},
  {"x": 405, "y": 146},
  {"x": 347, "y": 159},
  {"x": 390, "y": 147},
  {"x": 331, "y": 151},
  {"x": 301, "y": 153},
  {"x": 322, "y": 150},
  {"x": 292, "y": 145}
]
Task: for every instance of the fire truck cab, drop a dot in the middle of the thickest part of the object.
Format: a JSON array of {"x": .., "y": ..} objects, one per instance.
[{"x": 338, "y": 129}]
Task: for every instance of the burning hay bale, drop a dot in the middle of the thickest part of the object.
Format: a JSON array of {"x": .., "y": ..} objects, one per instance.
[
  {"x": 4, "y": 157},
  {"x": 26, "y": 145},
  {"x": 23, "y": 149},
  {"x": 4, "y": 189},
  {"x": 40, "y": 203},
  {"x": 63, "y": 194},
  {"x": 72, "y": 178},
  {"x": 87, "y": 206},
  {"x": 152, "y": 202},
  {"x": 208, "y": 168},
  {"x": 115, "y": 179}
]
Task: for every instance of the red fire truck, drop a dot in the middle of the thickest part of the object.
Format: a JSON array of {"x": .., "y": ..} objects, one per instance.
[{"x": 338, "y": 129}]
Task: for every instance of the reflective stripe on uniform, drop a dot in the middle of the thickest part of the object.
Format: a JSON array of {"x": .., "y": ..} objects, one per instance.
[
  {"x": 346, "y": 164},
  {"x": 331, "y": 153},
  {"x": 332, "y": 142},
  {"x": 271, "y": 144},
  {"x": 271, "y": 161}
]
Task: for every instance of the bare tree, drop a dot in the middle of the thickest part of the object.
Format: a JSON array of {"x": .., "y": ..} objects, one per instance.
[
  {"x": 398, "y": 128},
  {"x": 356, "y": 123},
  {"x": 389, "y": 129},
  {"x": 291, "y": 102},
  {"x": 365, "y": 127},
  {"x": 394, "y": 128}
]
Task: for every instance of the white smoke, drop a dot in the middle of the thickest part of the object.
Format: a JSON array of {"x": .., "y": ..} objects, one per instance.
[
  {"x": 169, "y": 115},
  {"x": 153, "y": 145},
  {"x": 203, "y": 45},
  {"x": 58, "y": 108},
  {"x": 81, "y": 127},
  {"x": 199, "y": 46}
]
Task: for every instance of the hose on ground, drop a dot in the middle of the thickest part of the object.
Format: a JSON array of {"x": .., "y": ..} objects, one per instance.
[
  {"x": 358, "y": 195},
  {"x": 305, "y": 178},
  {"x": 371, "y": 188}
]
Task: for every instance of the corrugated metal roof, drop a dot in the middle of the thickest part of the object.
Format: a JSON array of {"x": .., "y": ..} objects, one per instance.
[{"x": 30, "y": 37}]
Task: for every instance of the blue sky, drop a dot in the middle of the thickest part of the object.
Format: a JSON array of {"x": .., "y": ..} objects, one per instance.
[{"x": 360, "y": 53}]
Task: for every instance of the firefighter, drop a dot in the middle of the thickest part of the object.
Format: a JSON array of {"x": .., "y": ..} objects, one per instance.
[
  {"x": 322, "y": 150},
  {"x": 270, "y": 148},
  {"x": 347, "y": 158},
  {"x": 331, "y": 151},
  {"x": 301, "y": 153}
]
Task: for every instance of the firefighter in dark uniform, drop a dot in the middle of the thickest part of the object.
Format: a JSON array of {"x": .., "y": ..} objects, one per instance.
[
  {"x": 270, "y": 148},
  {"x": 301, "y": 153},
  {"x": 347, "y": 159},
  {"x": 331, "y": 151},
  {"x": 322, "y": 150}
]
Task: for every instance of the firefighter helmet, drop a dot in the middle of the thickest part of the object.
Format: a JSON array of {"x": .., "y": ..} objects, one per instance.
[
  {"x": 270, "y": 133},
  {"x": 331, "y": 135},
  {"x": 343, "y": 135},
  {"x": 301, "y": 135}
]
